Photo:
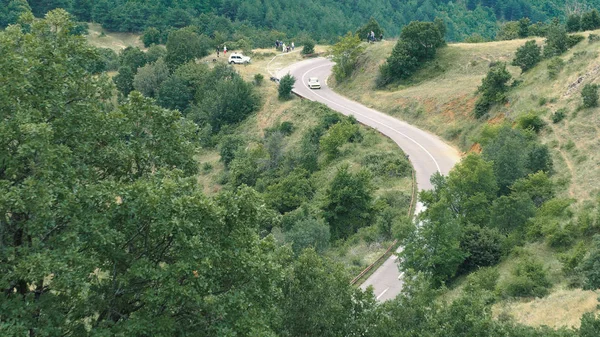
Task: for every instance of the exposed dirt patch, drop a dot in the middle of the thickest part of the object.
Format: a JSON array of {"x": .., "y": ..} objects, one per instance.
[
  {"x": 475, "y": 148},
  {"x": 499, "y": 119}
]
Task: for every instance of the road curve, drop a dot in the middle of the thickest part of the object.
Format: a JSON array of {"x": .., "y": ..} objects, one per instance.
[{"x": 427, "y": 152}]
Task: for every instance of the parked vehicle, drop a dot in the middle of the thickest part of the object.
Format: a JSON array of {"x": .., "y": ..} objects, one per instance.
[
  {"x": 238, "y": 59},
  {"x": 313, "y": 83}
]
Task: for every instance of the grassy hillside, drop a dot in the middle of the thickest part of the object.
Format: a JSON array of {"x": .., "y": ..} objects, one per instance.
[{"x": 441, "y": 97}]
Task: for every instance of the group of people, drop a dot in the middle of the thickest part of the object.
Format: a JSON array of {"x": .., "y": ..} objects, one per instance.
[
  {"x": 284, "y": 48},
  {"x": 371, "y": 37},
  {"x": 224, "y": 50}
]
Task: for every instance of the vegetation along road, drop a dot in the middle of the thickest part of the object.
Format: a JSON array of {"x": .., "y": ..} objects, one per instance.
[{"x": 427, "y": 152}]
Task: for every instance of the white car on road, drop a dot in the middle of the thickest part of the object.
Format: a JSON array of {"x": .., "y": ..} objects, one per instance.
[
  {"x": 238, "y": 59},
  {"x": 313, "y": 83}
]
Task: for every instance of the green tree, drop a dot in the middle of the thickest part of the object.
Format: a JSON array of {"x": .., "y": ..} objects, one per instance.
[
  {"x": 309, "y": 233},
  {"x": 434, "y": 246},
  {"x": 418, "y": 43},
  {"x": 155, "y": 52},
  {"x": 589, "y": 94},
  {"x": 150, "y": 77},
  {"x": 493, "y": 89},
  {"x": 174, "y": 94},
  {"x": 151, "y": 36},
  {"x": 470, "y": 189},
  {"x": 524, "y": 24},
  {"x": 184, "y": 45},
  {"x": 133, "y": 58},
  {"x": 527, "y": 56},
  {"x": 286, "y": 84},
  {"x": 124, "y": 80},
  {"x": 483, "y": 247},
  {"x": 345, "y": 55},
  {"x": 318, "y": 300},
  {"x": 229, "y": 102},
  {"x": 308, "y": 48},
  {"x": 589, "y": 267},
  {"x": 573, "y": 23},
  {"x": 348, "y": 202},
  {"x": 371, "y": 26},
  {"x": 338, "y": 135},
  {"x": 556, "y": 41},
  {"x": 508, "y": 155},
  {"x": 291, "y": 191},
  {"x": 590, "y": 20},
  {"x": 510, "y": 213},
  {"x": 12, "y": 10}
]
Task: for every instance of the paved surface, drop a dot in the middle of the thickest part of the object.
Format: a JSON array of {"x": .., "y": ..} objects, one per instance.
[{"x": 427, "y": 152}]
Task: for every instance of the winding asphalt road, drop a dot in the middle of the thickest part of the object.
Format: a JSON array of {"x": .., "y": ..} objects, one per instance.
[{"x": 427, "y": 152}]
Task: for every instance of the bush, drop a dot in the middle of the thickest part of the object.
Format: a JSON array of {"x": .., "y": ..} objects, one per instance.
[
  {"x": 286, "y": 84},
  {"x": 589, "y": 93},
  {"x": 258, "y": 79},
  {"x": 529, "y": 279},
  {"x": 559, "y": 115},
  {"x": 337, "y": 136},
  {"x": 573, "y": 40},
  {"x": 308, "y": 233},
  {"x": 531, "y": 121},
  {"x": 527, "y": 56},
  {"x": 308, "y": 48},
  {"x": 555, "y": 66},
  {"x": 387, "y": 164},
  {"x": 593, "y": 38}
]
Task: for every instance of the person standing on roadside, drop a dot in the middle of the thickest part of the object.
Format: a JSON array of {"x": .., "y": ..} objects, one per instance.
[
  {"x": 224, "y": 50},
  {"x": 293, "y": 47},
  {"x": 218, "y": 51}
]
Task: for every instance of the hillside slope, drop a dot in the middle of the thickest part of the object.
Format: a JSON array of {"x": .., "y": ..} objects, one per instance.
[{"x": 441, "y": 97}]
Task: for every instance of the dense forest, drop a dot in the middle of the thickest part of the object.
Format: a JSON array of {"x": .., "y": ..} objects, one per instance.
[{"x": 265, "y": 21}]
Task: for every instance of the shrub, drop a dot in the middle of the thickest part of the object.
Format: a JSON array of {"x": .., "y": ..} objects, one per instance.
[
  {"x": 531, "y": 121},
  {"x": 557, "y": 41},
  {"x": 589, "y": 93},
  {"x": 286, "y": 84},
  {"x": 528, "y": 279},
  {"x": 555, "y": 65},
  {"x": 309, "y": 47},
  {"x": 573, "y": 40},
  {"x": 258, "y": 79},
  {"x": 308, "y": 233},
  {"x": 387, "y": 164},
  {"x": 593, "y": 38},
  {"x": 559, "y": 115},
  {"x": 527, "y": 56},
  {"x": 483, "y": 279},
  {"x": 337, "y": 136}
]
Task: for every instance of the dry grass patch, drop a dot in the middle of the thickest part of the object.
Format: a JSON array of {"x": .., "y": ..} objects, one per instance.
[
  {"x": 562, "y": 308},
  {"x": 116, "y": 41}
]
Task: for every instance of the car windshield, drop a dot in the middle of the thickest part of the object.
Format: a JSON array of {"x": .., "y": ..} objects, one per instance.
[{"x": 313, "y": 79}]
